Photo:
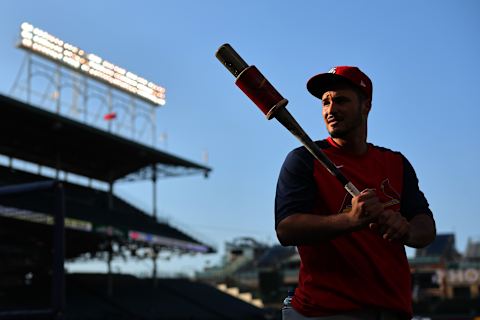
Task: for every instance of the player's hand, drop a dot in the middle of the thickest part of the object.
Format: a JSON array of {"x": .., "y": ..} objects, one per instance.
[
  {"x": 391, "y": 225},
  {"x": 366, "y": 207}
]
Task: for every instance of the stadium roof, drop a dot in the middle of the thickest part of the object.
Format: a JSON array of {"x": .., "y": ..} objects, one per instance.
[{"x": 42, "y": 137}]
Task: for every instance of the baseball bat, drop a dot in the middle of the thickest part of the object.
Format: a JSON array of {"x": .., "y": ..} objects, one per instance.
[{"x": 251, "y": 81}]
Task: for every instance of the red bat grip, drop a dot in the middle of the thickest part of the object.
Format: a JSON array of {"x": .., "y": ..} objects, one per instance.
[{"x": 252, "y": 82}]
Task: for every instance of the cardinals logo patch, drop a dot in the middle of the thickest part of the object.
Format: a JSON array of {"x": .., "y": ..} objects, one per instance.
[
  {"x": 386, "y": 192},
  {"x": 390, "y": 193}
]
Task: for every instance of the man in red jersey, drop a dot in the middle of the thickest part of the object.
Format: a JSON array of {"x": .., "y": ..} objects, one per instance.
[{"x": 353, "y": 261}]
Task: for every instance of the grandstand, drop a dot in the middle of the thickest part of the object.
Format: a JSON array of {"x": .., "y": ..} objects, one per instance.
[{"x": 98, "y": 224}]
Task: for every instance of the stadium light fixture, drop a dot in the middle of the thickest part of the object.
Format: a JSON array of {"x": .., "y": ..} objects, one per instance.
[{"x": 46, "y": 45}]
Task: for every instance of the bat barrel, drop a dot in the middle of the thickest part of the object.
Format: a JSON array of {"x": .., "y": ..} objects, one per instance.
[{"x": 253, "y": 83}]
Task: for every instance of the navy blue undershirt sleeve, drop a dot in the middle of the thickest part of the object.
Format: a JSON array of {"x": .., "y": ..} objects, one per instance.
[
  {"x": 296, "y": 186},
  {"x": 413, "y": 200}
]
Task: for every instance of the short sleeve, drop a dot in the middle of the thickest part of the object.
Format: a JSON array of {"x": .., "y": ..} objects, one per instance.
[
  {"x": 413, "y": 200},
  {"x": 296, "y": 187}
]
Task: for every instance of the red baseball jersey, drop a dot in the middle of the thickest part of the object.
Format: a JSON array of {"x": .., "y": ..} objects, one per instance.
[{"x": 357, "y": 270}]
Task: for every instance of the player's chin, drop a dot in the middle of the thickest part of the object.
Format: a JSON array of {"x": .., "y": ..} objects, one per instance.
[{"x": 336, "y": 132}]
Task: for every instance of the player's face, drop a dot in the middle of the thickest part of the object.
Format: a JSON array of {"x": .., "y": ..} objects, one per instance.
[{"x": 343, "y": 112}]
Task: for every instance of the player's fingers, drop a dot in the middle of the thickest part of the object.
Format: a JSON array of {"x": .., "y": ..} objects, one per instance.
[
  {"x": 403, "y": 231},
  {"x": 368, "y": 191},
  {"x": 371, "y": 207},
  {"x": 382, "y": 229},
  {"x": 366, "y": 195},
  {"x": 396, "y": 230},
  {"x": 384, "y": 217},
  {"x": 375, "y": 210},
  {"x": 392, "y": 230},
  {"x": 390, "y": 224}
]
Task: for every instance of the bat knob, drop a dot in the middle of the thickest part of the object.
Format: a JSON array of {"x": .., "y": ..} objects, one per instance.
[{"x": 231, "y": 59}]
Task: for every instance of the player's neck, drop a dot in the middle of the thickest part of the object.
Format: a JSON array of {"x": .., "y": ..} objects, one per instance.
[
  {"x": 355, "y": 144},
  {"x": 353, "y": 147}
]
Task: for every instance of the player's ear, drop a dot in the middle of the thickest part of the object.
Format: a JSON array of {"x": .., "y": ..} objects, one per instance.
[{"x": 366, "y": 106}]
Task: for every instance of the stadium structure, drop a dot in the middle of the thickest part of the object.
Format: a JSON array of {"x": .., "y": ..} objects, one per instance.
[
  {"x": 445, "y": 282},
  {"x": 58, "y": 170}
]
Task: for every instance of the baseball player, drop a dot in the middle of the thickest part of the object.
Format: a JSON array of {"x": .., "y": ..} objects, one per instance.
[{"x": 353, "y": 261}]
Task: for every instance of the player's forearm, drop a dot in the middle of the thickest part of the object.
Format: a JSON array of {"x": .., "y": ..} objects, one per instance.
[
  {"x": 422, "y": 231},
  {"x": 304, "y": 229}
]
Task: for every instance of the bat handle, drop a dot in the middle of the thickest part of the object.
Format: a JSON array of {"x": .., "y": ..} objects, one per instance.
[
  {"x": 351, "y": 189},
  {"x": 289, "y": 122}
]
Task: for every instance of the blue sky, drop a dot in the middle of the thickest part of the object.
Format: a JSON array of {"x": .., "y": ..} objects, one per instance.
[{"x": 421, "y": 55}]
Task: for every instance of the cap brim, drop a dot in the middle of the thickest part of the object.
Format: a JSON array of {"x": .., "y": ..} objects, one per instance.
[{"x": 321, "y": 83}]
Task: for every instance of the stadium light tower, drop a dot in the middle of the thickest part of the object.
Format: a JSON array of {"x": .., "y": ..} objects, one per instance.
[{"x": 122, "y": 93}]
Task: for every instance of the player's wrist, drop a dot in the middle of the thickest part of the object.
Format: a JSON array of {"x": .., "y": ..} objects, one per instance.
[{"x": 352, "y": 222}]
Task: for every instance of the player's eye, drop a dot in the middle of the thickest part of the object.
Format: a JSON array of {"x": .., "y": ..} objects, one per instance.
[{"x": 342, "y": 100}]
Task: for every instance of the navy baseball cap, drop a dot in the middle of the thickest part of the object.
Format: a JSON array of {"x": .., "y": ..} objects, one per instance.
[{"x": 322, "y": 82}]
